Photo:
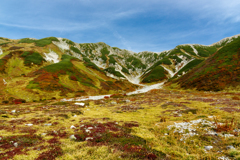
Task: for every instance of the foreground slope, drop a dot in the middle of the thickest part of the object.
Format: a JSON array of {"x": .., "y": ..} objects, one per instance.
[{"x": 161, "y": 124}]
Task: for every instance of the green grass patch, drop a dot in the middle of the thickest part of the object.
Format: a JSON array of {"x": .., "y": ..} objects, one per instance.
[
  {"x": 157, "y": 74},
  {"x": 69, "y": 42},
  {"x": 34, "y": 58},
  {"x": 76, "y": 50},
  {"x": 176, "y": 58},
  {"x": 112, "y": 60},
  {"x": 189, "y": 66},
  {"x": 205, "y": 51},
  {"x": 162, "y": 61},
  {"x": 104, "y": 52},
  {"x": 33, "y": 85},
  {"x": 90, "y": 64},
  {"x": 65, "y": 65},
  {"x": 113, "y": 71},
  {"x": 41, "y": 42},
  {"x": 125, "y": 70}
]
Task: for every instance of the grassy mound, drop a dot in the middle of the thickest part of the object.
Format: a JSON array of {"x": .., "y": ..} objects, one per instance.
[
  {"x": 157, "y": 74},
  {"x": 41, "y": 42}
]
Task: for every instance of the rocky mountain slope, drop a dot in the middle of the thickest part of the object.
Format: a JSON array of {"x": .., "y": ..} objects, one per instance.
[
  {"x": 220, "y": 71},
  {"x": 33, "y": 69}
]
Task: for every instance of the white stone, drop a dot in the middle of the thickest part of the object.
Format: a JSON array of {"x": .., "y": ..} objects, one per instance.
[
  {"x": 230, "y": 147},
  {"x": 90, "y": 127},
  {"x": 208, "y": 147},
  {"x": 48, "y": 124},
  {"x": 73, "y": 127},
  {"x": 13, "y": 111},
  {"x": 29, "y": 124},
  {"x": 113, "y": 102},
  {"x": 15, "y": 144},
  {"x": 4, "y": 82},
  {"x": 80, "y": 104},
  {"x": 43, "y": 134},
  {"x": 88, "y": 131},
  {"x": 223, "y": 158},
  {"x": 72, "y": 137},
  {"x": 88, "y": 138},
  {"x": 228, "y": 135}
]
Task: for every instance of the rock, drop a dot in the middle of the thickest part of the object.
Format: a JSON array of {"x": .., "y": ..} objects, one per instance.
[
  {"x": 80, "y": 104},
  {"x": 90, "y": 127},
  {"x": 29, "y": 125},
  {"x": 48, "y": 124},
  {"x": 228, "y": 135},
  {"x": 72, "y": 137},
  {"x": 113, "y": 102},
  {"x": 13, "y": 111},
  {"x": 43, "y": 134},
  {"x": 208, "y": 147},
  {"x": 88, "y": 131},
  {"x": 73, "y": 127},
  {"x": 127, "y": 101},
  {"x": 75, "y": 115},
  {"x": 179, "y": 115},
  {"x": 88, "y": 138},
  {"x": 15, "y": 144},
  {"x": 230, "y": 147}
]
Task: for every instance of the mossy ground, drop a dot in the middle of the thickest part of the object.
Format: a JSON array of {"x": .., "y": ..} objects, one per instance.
[{"x": 127, "y": 127}]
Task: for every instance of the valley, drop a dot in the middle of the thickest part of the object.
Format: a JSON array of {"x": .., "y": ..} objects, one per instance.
[{"x": 65, "y": 100}]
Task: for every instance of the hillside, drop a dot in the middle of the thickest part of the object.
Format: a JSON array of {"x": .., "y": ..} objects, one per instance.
[
  {"x": 34, "y": 70},
  {"x": 80, "y": 104},
  {"x": 220, "y": 71},
  {"x": 38, "y": 69}
]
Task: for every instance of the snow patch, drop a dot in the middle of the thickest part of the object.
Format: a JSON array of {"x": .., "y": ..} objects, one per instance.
[
  {"x": 100, "y": 63},
  {"x": 194, "y": 49},
  {"x": 51, "y": 57},
  {"x": 169, "y": 71},
  {"x": 1, "y": 52},
  {"x": 147, "y": 88},
  {"x": 61, "y": 44},
  {"x": 133, "y": 78},
  {"x": 142, "y": 90}
]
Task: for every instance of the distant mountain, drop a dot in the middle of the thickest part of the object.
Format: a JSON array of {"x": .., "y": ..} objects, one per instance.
[{"x": 34, "y": 69}]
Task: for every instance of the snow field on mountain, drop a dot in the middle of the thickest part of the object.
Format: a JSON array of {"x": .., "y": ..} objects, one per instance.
[
  {"x": 52, "y": 57},
  {"x": 61, "y": 44}
]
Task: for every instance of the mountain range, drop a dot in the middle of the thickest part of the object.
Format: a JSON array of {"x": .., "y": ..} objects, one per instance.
[{"x": 37, "y": 69}]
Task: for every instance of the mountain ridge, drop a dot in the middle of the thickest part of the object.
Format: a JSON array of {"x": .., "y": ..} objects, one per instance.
[{"x": 81, "y": 63}]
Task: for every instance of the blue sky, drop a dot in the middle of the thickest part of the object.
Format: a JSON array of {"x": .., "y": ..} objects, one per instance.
[{"x": 137, "y": 25}]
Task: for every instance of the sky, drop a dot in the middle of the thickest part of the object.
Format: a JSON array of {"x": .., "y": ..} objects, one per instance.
[{"x": 136, "y": 25}]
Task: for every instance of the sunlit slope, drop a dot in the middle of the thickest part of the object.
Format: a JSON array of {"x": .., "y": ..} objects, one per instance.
[
  {"x": 35, "y": 69},
  {"x": 39, "y": 69},
  {"x": 218, "y": 72}
]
